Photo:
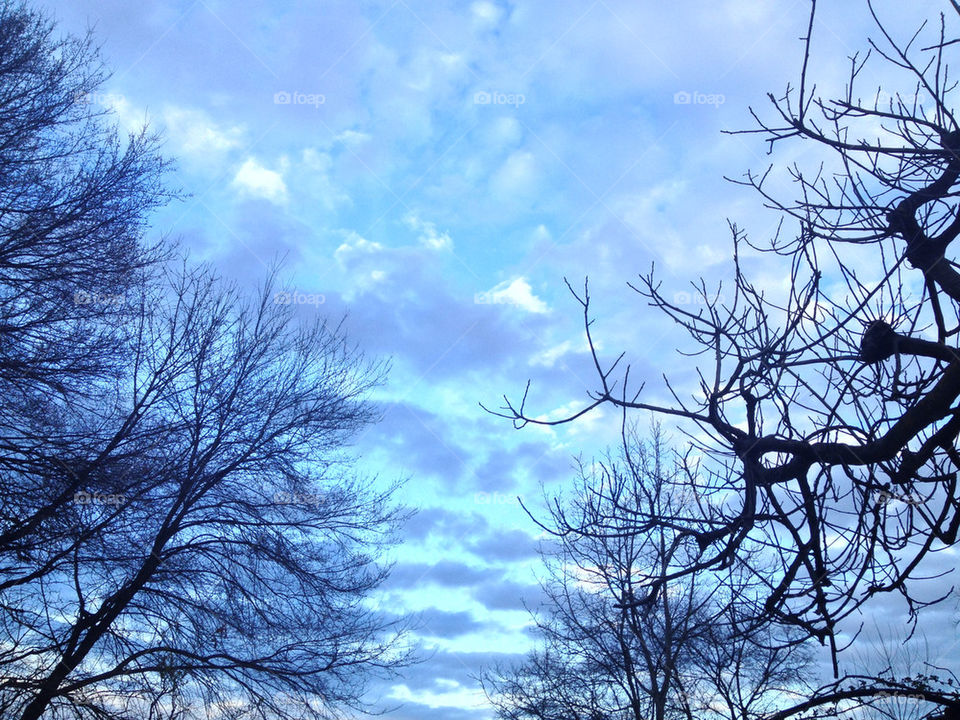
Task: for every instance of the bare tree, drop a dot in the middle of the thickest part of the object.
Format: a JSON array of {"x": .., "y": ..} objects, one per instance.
[
  {"x": 817, "y": 407},
  {"x": 608, "y": 655},
  {"x": 222, "y": 540},
  {"x": 888, "y": 653},
  {"x": 73, "y": 203},
  {"x": 181, "y": 531}
]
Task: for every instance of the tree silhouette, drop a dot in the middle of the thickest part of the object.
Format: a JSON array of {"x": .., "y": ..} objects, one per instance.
[
  {"x": 73, "y": 201},
  {"x": 683, "y": 654},
  {"x": 181, "y": 531},
  {"x": 828, "y": 413},
  {"x": 219, "y": 539}
]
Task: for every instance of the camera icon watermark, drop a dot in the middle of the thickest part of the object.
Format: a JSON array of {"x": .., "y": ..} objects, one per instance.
[
  {"x": 885, "y": 497},
  {"x": 94, "y": 98},
  {"x": 282, "y": 97},
  {"x": 494, "y": 298},
  {"x": 499, "y": 98},
  {"x": 86, "y": 498},
  {"x": 298, "y": 298},
  {"x": 296, "y": 498},
  {"x": 890, "y": 694},
  {"x": 686, "y": 298},
  {"x": 82, "y": 297},
  {"x": 682, "y": 97},
  {"x": 495, "y": 498},
  {"x": 885, "y": 100}
]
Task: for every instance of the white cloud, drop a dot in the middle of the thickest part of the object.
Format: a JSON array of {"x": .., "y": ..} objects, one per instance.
[
  {"x": 317, "y": 182},
  {"x": 432, "y": 70},
  {"x": 366, "y": 263},
  {"x": 485, "y": 13},
  {"x": 354, "y": 248},
  {"x": 196, "y": 133},
  {"x": 589, "y": 425},
  {"x": 429, "y": 236},
  {"x": 517, "y": 177},
  {"x": 352, "y": 138},
  {"x": 516, "y": 292},
  {"x": 130, "y": 117},
  {"x": 550, "y": 356},
  {"x": 254, "y": 179},
  {"x": 542, "y": 234},
  {"x": 503, "y": 132}
]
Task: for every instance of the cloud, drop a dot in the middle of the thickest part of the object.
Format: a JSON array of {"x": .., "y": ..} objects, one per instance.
[
  {"x": 516, "y": 292},
  {"x": 353, "y": 138},
  {"x": 443, "y": 523},
  {"x": 506, "y": 468},
  {"x": 421, "y": 441},
  {"x": 550, "y": 356},
  {"x": 429, "y": 237},
  {"x": 261, "y": 235},
  {"x": 362, "y": 261},
  {"x": 254, "y": 180},
  {"x": 444, "y": 667},
  {"x": 314, "y": 179},
  {"x": 421, "y": 711},
  {"x": 505, "y": 546},
  {"x": 516, "y": 178},
  {"x": 195, "y": 133},
  {"x": 401, "y": 303},
  {"x": 485, "y": 13},
  {"x": 508, "y": 595},
  {"x": 502, "y": 132},
  {"x": 443, "y": 624},
  {"x": 447, "y": 573},
  {"x": 128, "y": 116}
]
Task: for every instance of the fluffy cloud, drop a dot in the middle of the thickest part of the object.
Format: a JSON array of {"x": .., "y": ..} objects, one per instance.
[
  {"x": 195, "y": 133},
  {"x": 485, "y": 13},
  {"x": 517, "y": 178},
  {"x": 443, "y": 624},
  {"x": 255, "y": 180},
  {"x": 518, "y": 293},
  {"x": 508, "y": 546},
  {"x": 446, "y": 573},
  {"x": 510, "y": 596},
  {"x": 429, "y": 236}
]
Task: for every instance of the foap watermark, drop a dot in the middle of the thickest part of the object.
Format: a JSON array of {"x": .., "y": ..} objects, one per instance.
[
  {"x": 884, "y": 100},
  {"x": 885, "y": 497},
  {"x": 685, "y": 298},
  {"x": 87, "y": 498},
  {"x": 495, "y": 498},
  {"x": 94, "y": 98},
  {"x": 498, "y": 98},
  {"x": 494, "y": 298},
  {"x": 82, "y": 297},
  {"x": 282, "y": 97},
  {"x": 297, "y": 498},
  {"x": 298, "y": 298},
  {"x": 682, "y": 97},
  {"x": 890, "y": 694}
]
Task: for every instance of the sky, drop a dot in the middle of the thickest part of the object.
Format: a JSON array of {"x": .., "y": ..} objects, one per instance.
[{"x": 432, "y": 171}]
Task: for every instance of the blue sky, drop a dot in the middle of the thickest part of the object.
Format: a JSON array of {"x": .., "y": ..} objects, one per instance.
[{"x": 434, "y": 170}]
